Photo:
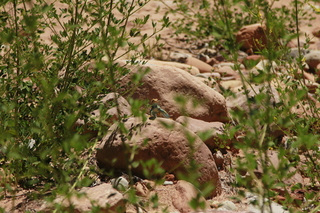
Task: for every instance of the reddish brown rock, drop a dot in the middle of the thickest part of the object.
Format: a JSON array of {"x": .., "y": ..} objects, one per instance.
[
  {"x": 103, "y": 197},
  {"x": 316, "y": 32},
  {"x": 226, "y": 71},
  {"x": 202, "y": 66},
  {"x": 189, "y": 68},
  {"x": 200, "y": 127},
  {"x": 252, "y": 38},
  {"x": 121, "y": 106},
  {"x": 118, "y": 108},
  {"x": 252, "y": 60},
  {"x": 168, "y": 146},
  {"x": 313, "y": 59},
  {"x": 178, "y": 92},
  {"x": 177, "y": 197},
  {"x": 294, "y": 177},
  {"x": 212, "y": 61}
]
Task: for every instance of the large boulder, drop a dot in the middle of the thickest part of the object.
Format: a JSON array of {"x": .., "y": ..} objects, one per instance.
[
  {"x": 168, "y": 145},
  {"x": 166, "y": 84}
]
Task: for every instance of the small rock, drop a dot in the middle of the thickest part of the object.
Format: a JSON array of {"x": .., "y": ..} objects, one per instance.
[
  {"x": 228, "y": 205},
  {"x": 190, "y": 69},
  {"x": 252, "y": 38},
  {"x": 202, "y": 66},
  {"x": 104, "y": 197},
  {"x": 167, "y": 183},
  {"x": 120, "y": 183},
  {"x": 141, "y": 189},
  {"x": 232, "y": 85},
  {"x": 252, "y": 60},
  {"x": 209, "y": 75},
  {"x": 226, "y": 71},
  {"x": 212, "y": 61},
  {"x": 219, "y": 159},
  {"x": 263, "y": 66},
  {"x": 176, "y": 197},
  {"x": 253, "y": 199},
  {"x": 313, "y": 59},
  {"x": 179, "y": 57},
  {"x": 294, "y": 52}
]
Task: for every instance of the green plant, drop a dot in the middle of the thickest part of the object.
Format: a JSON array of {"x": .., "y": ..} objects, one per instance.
[
  {"x": 47, "y": 84},
  {"x": 218, "y": 21}
]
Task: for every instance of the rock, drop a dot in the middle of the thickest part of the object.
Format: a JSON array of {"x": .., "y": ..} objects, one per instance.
[
  {"x": 226, "y": 71},
  {"x": 120, "y": 183},
  {"x": 200, "y": 127},
  {"x": 179, "y": 57},
  {"x": 252, "y": 60},
  {"x": 294, "y": 177},
  {"x": 152, "y": 140},
  {"x": 252, "y": 38},
  {"x": 219, "y": 159},
  {"x": 141, "y": 189},
  {"x": 167, "y": 84},
  {"x": 253, "y": 198},
  {"x": 210, "y": 52},
  {"x": 109, "y": 101},
  {"x": 219, "y": 211},
  {"x": 232, "y": 85},
  {"x": 212, "y": 61},
  {"x": 202, "y": 66},
  {"x": 103, "y": 197},
  {"x": 228, "y": 64},
  {"x": 240, "y": 99},
  {"x": 264, "y": 66},
  {"x": 294, "y": 52},
  {"x": 176, "y": 197},
  {"x": 227, "y": 205},
  {"x": 113, "y": 99},
  {"x": 316, "y": 32},
  {"x": 313, "y": 59},
  {"x": 190, "y": 69},
  {"x": 209, "y": 75}
]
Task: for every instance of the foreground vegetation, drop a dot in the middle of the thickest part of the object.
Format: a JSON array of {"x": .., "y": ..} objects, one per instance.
[{"x": 46, "y": 87}]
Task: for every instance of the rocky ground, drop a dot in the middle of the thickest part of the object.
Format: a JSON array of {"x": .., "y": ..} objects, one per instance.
[{"x": 197, "y": 72}]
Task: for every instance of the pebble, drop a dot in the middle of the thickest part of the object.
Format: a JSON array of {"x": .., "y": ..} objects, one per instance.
[{"x": 120, "y": 183}]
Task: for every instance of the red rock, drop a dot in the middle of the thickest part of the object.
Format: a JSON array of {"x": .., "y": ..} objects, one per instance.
[
  {"x": 313, "y": 59},
  {"x": 199, "y": 126},
  {"x": 226, "y": 71},
  {"x": 169, "y": 147},
  {"x": 212, "y": 61},
  {"x": 190, "y": 69},
  {"x": 176, "y": 198},
  {"x": 252, "y": 60},
  {"x": 202, "y": 66},
  {"x": 316, "y": 32},
  {"x": 252, "y": 38},
  {"x": 166, "y": 84},
  {"x": 104, "y": 197}
]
